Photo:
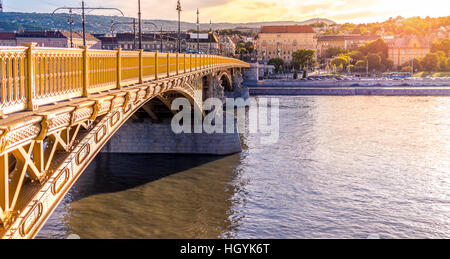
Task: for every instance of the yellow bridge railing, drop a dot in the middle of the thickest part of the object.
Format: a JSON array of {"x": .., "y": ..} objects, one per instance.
[{"x": 31, "y": 77}]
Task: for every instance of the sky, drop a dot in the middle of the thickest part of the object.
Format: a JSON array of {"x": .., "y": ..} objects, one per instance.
[{"x": 341, "y": 11}]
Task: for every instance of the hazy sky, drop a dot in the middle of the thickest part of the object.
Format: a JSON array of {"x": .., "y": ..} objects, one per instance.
[{"x": 255, "y": 10}]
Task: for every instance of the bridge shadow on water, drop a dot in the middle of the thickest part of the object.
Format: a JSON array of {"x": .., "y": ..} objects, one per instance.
[
  {"x": 149, "y": 196},
  {"x": 111, "y": 173}
]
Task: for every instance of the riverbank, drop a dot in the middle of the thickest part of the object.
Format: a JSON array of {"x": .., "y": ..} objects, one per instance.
[
  {"x": 351, "y": 91},
  {"x": 379, "y": 87},
  {"x": 348, "y": 83}
]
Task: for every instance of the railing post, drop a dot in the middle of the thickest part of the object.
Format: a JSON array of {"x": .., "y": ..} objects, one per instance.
[
  {"x": 31, "y": 87},
  {"x": 168, "y": 64},
  {"x": 85, "y": 71},
  {"x": 119, "y": 68},
  {"x": 178, "y": 65},
  {"x": 141, "y": 66},
  {"x": 156, "y": 65},
  {"x": 190, "y": 62},
  {"x": 184, "y": 62}
]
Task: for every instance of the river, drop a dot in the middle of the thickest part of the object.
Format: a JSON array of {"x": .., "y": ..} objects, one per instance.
[{"x": 344, "y": 167}]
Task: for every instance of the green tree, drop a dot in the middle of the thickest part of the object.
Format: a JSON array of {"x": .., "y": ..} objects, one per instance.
[
  {"x": 277, "y": 63},
  {"x": 387, "y": 63},
  {"x": 334, "y": 51},
  {"x": 374, "y": 62},
  {"x": 360, "y": 66},
  {"x": 430, "y": 62},
  {"x": 443, "y": 46},
  {"x": 375, "y": 47},
  {"x": 356, "y": 55},
  {"x": 406, "y": 69},
  {"x": 249, "y": 47},
  {"x": 303, "y": 57},
  {"x": 339, "y": 61},
  {"x": 442, "y": 61}
]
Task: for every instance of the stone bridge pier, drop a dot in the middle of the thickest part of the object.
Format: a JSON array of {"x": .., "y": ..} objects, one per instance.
[
  {"x": 149, "y": 130},
  {"x": 226, "y": 84}
]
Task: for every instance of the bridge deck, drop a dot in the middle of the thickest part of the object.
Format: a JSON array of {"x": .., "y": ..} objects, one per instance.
[{"x": 59, "y": 107}]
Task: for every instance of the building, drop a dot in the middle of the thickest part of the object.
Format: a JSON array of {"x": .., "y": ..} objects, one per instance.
[
  {"x": 77, "y": 40},
  {"x": 165, "y": 42},
  {"x": 349, "y": 41},
  {"x": 8, "y": 39},
  {"x": 404, "y": 49},
  {"x": 227, "y": 46},
  {"x": 282, "y": 41},
  {"x": 208, "y": 43},
  {"x": 52, "y": 39}
]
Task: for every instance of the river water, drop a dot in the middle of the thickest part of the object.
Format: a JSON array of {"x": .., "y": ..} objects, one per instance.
[{"x": 344, "y": 167}]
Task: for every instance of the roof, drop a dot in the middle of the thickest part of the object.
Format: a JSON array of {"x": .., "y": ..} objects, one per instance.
[
  {"x": 108, "y": 38},
  {"x": 7, "y": 35},
  {"x": 346, "y": 37},
  {"x": 288, "y": 29},
  {"x": 78, "y": 35},
  {"x": 409, "y": 41},
  {"x": 39, "y": 34}
]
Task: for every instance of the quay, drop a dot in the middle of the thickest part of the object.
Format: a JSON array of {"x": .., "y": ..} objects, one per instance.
[{"x": 351, "y": 87}]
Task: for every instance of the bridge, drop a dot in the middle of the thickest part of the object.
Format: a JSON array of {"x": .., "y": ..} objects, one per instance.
[{"x": 59, "y": 107}]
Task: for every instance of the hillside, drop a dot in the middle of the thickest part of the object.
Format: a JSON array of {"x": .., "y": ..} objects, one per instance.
[{"x": 11, "y": 21}]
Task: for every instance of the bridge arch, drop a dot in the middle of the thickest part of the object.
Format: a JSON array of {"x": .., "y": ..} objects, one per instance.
[
  {"x": 80, "y": 142},
  {"x": 227, "y": 82}
]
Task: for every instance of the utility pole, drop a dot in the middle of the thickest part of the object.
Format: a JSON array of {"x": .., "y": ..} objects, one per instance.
[
  {"x": 179, "y": 25},
  {"x": 83, "y": 9},
  {"x": 140, "y": 24},
  {"x": 198, "y": 30}
]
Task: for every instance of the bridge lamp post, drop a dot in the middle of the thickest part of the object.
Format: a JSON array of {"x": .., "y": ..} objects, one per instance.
[
  {"x": 198, "y": 30},
  {"x": 210, "y": 31},
  {"x": 140, "y": 24},
  {"x": 71, "y": 23},
  {"x": 179, "y": 25}
]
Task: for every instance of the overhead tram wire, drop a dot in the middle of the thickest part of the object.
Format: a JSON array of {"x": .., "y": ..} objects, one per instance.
[{"x": 83, "y": 9}]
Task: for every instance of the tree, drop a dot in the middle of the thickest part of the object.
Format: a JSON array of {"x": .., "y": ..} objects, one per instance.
[
  {"x": 356, "y": 55},
  {"x": 377, "y": 46},
  {"x": 406, "y": 69},
  {"x": 249, "y": 47},
  {"x": 334, "y": 51},
  {"x": 277, "y": 63},
  {"x": 442, "y": 60},
  {"x": 374, "y": 62},
  {"x": 303, "y": 57},
  {"x": 430, "y": 62},
  {"x": 360, "y": 66},
  {"x": 339, "y": 61},
  {"x": 387, "y": 63},
  {"x": 443, "y": 46},
  {"x": 417, "y": 64}
]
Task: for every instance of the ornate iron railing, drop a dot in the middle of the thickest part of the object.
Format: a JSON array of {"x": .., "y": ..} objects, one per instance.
[{"x": 31, "y": 76}]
